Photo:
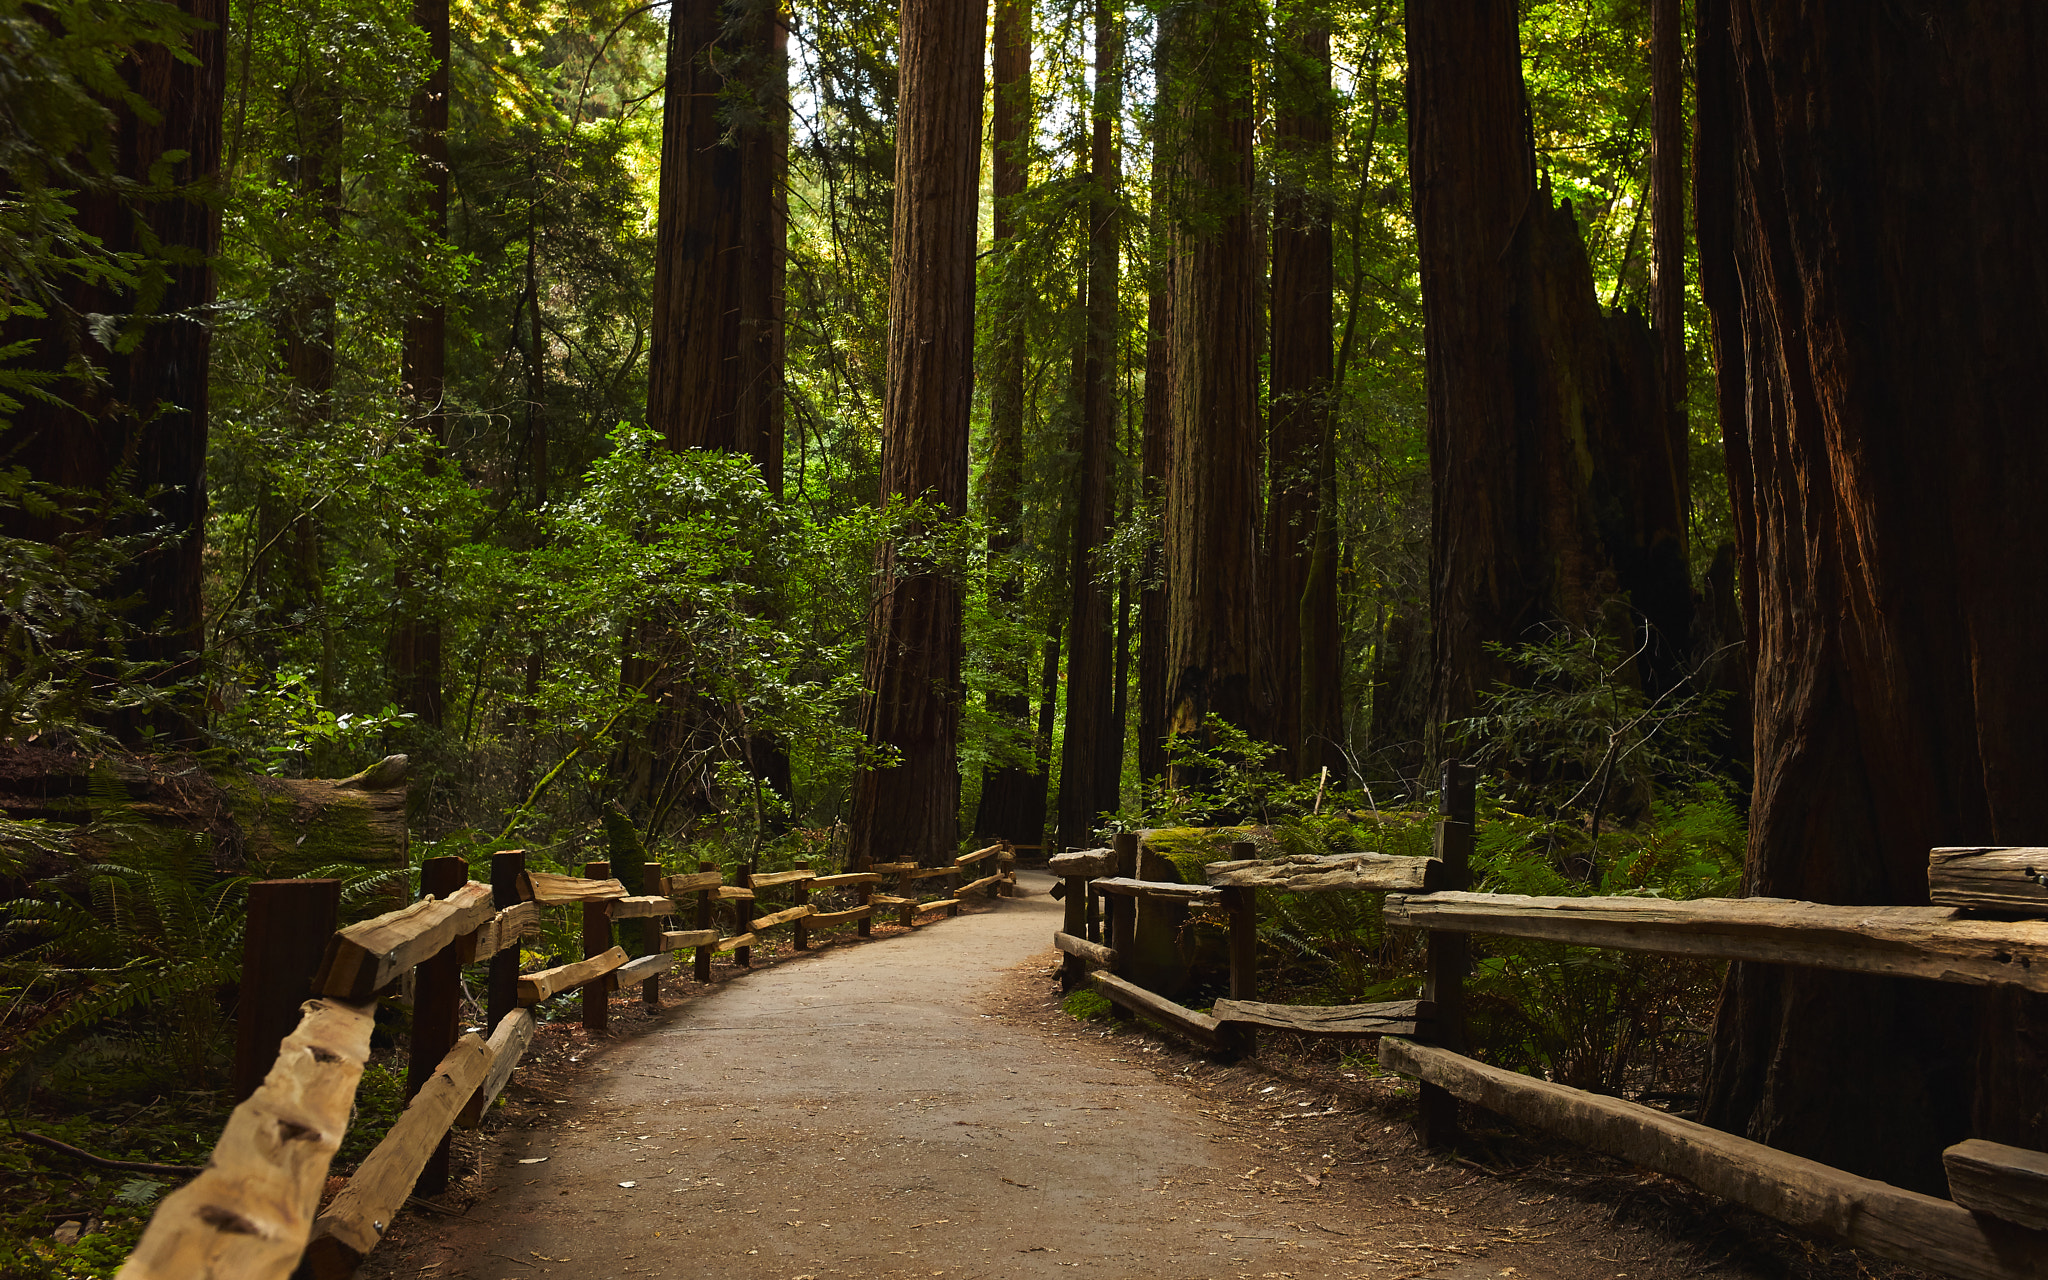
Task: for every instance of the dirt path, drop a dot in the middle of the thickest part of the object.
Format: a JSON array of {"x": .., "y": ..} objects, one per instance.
[{"x": 910, "y": 1108}]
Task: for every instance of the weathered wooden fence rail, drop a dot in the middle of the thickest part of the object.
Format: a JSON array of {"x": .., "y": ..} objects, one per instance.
[
  {"x": 250, "y": 1213},
  {"x": 1994, "y": 1228}
]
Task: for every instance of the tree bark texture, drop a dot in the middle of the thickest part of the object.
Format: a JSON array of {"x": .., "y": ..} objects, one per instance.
[
  {"x": 1557, "y": 483},
  {"x": 1300, "y": 368},
  {"x": 1012, "y": 804},
  {"x": 909, "y": 812},
  {"x": 1881, "y": 383},
  {"x": 114, "y": 422},
  {"x": 1155, "y": 454},
  {"x": 1091, "y": 752},
  {"x": 1667, "y": 203},
  {"x": 415, "y": 652},
  {"x": 1212, "y": 507}
]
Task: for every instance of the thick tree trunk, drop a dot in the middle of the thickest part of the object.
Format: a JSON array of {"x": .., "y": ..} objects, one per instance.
[
  {"x": 1667, "y": 201},
  {"x": 1091, "y": 752},
  {"x": 1155, "y": 450},
  {"x": 1894, "y": 577},
  {"x": 1558, "y": 482},
  {"x": 1212, "y": 507},
  {"x": 113, "y": 424},
  {"x": 415, "y": 656},
  {"x": 1012, "y": 805},
  {"x": 912, "y": 669},
  {"x": 1301, "y": 360}
]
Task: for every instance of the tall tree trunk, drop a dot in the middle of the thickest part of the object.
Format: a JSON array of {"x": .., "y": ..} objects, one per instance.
[
  {"x": 912, "y": 668},
  {"x": 1212, "y": 508},
  {"x": 1012, "y": 805},
  {"x": 1667, "y": 201},
  {"x": 1300, "y": 364},
  {"x": 1894, "y": 576},
  {"x": 110, "y": 427},
  {"x": 1557, "y": 482},
  {"x": 1091, "y": 753},
  {"x": 1155, "y": 452},
  {"x": 415, "y": 655}
]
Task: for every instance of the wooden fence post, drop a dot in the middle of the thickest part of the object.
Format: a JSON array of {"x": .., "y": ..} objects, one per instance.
[
  {"x": 650, "y": 933},
  {"x": 1241, "y": 903},
  {"x": 597, "y": 939},
  {"x": 906, "y": 888},
  {"x": 1094, "y": 909},
  {"x": 506, "y": 869},
  {"x": 286, "y": 935},
  {"x": 864, "y": 895},
  {"x": 743, "y": 914},
  {"x": 1073, "y": 972},
  {"x": 1123, "y": 915},
  {"x": 706, "y": 900},
  {"x": 436, "y": 1011},
  {"x": 1449, "y": 954},
  {"x": 800, "y": 934}
]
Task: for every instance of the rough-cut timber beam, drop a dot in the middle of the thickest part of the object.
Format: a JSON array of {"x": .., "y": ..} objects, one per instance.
[
  {"x": 642, "y": 908},
  {"x": 536, "y": 987},
  {"x": 1368, "y": 872},
  {"x": 552, "y": 890},
  {"x": 1091, "y": 952},
  {"x": 1125, "y": 886},
  {"x": 1086, "y": 863},
  {"x": 2005, "y": 1182},
  {"x": 1199, "y": 1027},
  {"x": 1395, "y": 1018},
  {"x": 1911, "y": 942},
  {"x": 367, "y": 957},
  {"x": 508, "y": 1045},
  {"x": 1996, "y": 879},
  {"x": 1904, "y": 1226}
]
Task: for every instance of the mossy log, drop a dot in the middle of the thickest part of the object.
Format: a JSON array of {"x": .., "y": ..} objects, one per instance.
[{"x": 271, "y": 828}]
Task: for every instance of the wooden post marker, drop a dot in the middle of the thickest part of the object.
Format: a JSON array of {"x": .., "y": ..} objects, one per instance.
[
  {"x": 864, "y": 895},
  {"x": 1123, "y": 915},
  {"x": 650, "y": 934},
  {"x": 1073, "y": 971},
  {"x": 508, "y": 870},
  {"x": 742, "y": 912},
  {"x": 437, "y": 1003},
  {"x": 700, "y": 967},
  {"x": 597, "y": 939},
  {"x": 800, "y": 933},
  {"x": 1449, "y": 954},
  {"x": 1241, "y": 903},
  {"x": 282, "y": 944}
]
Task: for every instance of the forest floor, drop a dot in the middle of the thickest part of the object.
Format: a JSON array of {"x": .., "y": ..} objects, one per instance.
[{"x": 985, "y": 1132}]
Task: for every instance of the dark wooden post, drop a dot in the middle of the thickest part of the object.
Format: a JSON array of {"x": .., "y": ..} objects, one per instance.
[
  {"x": 650, "y": 933},
  {"x": 1073, "y": 970},
  {"x": 1094, "y": 907},
  {"x": 953, "y": 891},
  {"x": 436, "y": 1008},
  {"x": 1449, "y": 954},
  {"x": 800, "y": 932},
  {"x": 864, "y": 895},
  {"x": 742, "y": 915},
  {"x": 1123, "y": 914},
  {"x": 706, "y": 901},
  {"x": 597, "y": 939},
  {"x": 283, "y": 941},
  {"x": 906, "y": 888},
  {"x": 1241, "y": 903},
  {"x": 506, "y": 869}
]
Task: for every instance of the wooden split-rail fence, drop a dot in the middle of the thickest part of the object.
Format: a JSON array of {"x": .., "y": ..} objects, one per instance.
[
  {"x": 1995, "y": 1226},
  {"x": 250, "y": 1213}
]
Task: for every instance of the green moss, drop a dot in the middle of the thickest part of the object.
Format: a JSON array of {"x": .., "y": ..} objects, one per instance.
[
  {"x": 1087, "y": 1006},
  {"x": 1192, "y": 848}
]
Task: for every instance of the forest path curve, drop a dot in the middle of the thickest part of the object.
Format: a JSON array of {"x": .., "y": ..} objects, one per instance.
[{"x": 874, "y": 1111}]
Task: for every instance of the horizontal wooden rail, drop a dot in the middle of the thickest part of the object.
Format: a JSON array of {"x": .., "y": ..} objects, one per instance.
[
  {"x": 1901, "y": 1225},
  {"x": 2005, "y": 1182},
  {"x": 1199, "y": 1027},
  {"x": 890, "y": 900},
  {"x": 733, "y": 893},
  {"x": 682, "y": 939},
  {"x": 249, "y": 1212},
  {"x": 503, "y": 930},
  {"x": 1912, "y": 942},
  {"x": 1393, "y": 1018},
  {"x": 552, "y": 890},
  {"x": 1127, "y": 887},
  {"x": 893, "y": 868},
  {"x": 935, "y": 904},
  {"x": 676, "y": 886},
  {"x": 770, "y": 879},
  {"x": 635, "y": 972},
  {"x": 508, "y": 1044},
  {"x": 642, "y": 908},
  {"x": 969, "y": 859},
  {"x": 1995, "y": 879},
  {"x": 1085, "y": 863},
  {"x": 734, "y": 944},
  {"x": 365, "y": 958},
  {"x": 782, "y": 917},
  {"x": 1368, "y": 872},
  {"x": 976, "y": 886},
  {"x": 358, "y": 1216},
  {"x": 927, "y": 873},
  {"x": 1092, "y": 952},
  {"x": 536, "y": 987},
  {"x": 850, "y": 877},
  {"x": 824, "y": 918}
]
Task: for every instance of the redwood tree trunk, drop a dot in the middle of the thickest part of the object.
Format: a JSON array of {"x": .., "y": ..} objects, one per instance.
[
  {"x": 1012, "y": 805},
  {"x": 1881, "y": 389},
  {"x": 415, "y": 653},
  {"x": 1301, "y": 359},
  {"x": 1091, "y": 753},
  {"x": 85, "y": 442},
  {"x": 912, "y": 669},
  {"x": 1212, "y": 507},
  {"x": 1155, "y": 450}
]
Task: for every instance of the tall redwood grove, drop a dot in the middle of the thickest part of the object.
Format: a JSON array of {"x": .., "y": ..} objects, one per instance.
[
  {"x": 1880, "y": 383},
  {"x": 909, "y": 811}
]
